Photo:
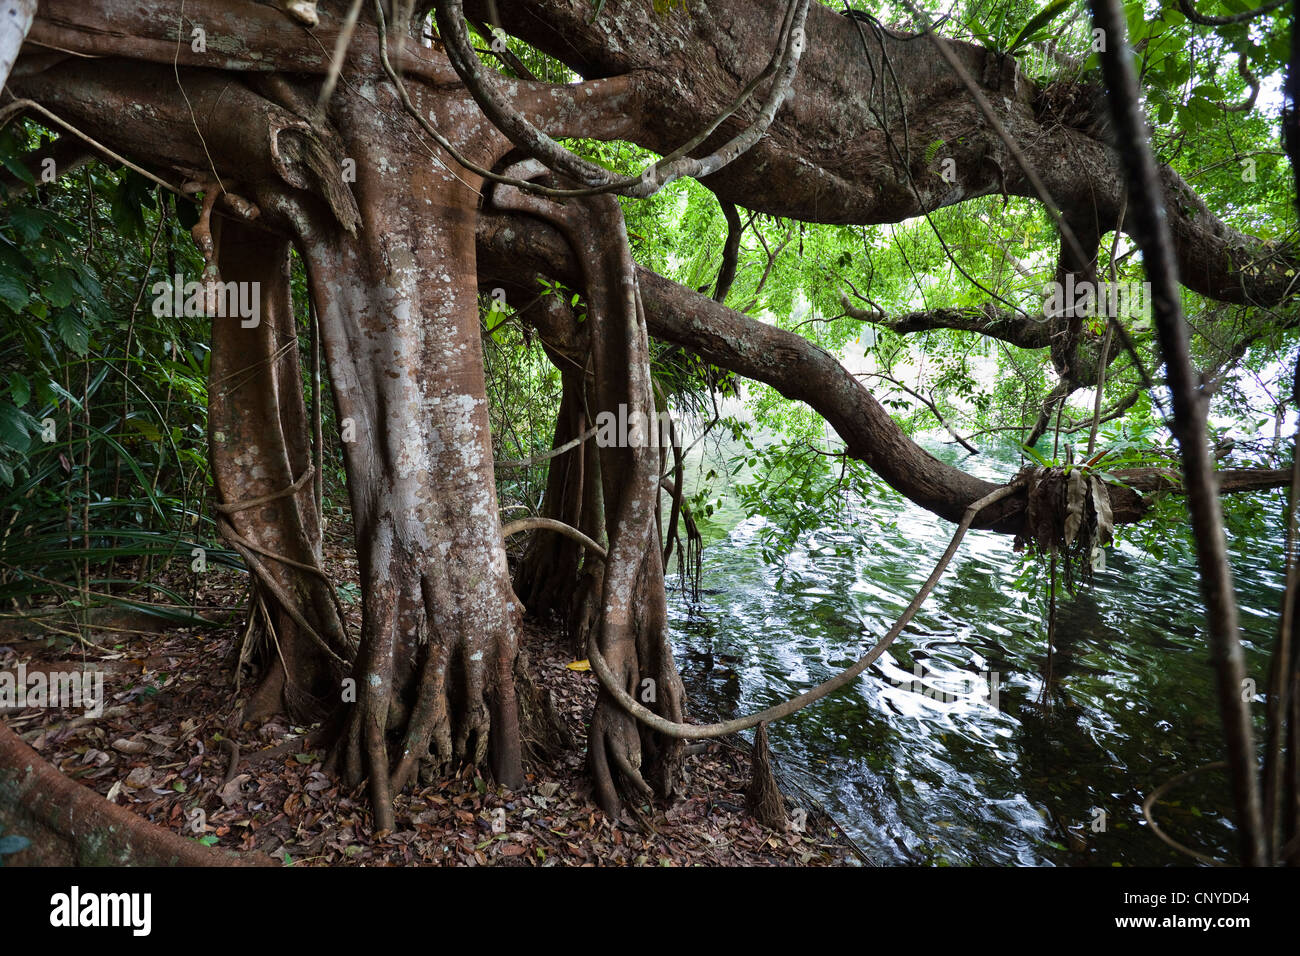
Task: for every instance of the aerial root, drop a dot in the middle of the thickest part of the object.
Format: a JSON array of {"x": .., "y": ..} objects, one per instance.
[
  {"x": 1149, "y": 803},
  {"x": 763, "y": 798},
  {"x": 631, "y": 774},
  {"x": 700, "y": 731},
  {"x": 703, "y": 731}
]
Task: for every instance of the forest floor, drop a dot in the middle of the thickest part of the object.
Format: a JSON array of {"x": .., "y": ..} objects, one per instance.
[{"x": 163, "y": 748}]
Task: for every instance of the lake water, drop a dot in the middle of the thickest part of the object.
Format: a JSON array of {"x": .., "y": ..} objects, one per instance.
[{"x": 1051, "y": 775}]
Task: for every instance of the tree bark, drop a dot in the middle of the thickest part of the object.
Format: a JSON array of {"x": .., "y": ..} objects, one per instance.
[
  {"x": 71, "y": 825},
  {"x": 632, "y": 633},
  {"x": 15, "y": 22},
  {"x": 259, "y": 447},
  {"x": 400, "y": 327}
]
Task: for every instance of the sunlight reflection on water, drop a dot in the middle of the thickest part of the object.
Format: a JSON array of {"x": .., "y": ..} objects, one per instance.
[{"x": 955, "y": 780}]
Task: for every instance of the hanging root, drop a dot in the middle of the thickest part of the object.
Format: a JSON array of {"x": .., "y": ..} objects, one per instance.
[
  {"x": 763, "y": 798},
  {"x": 631, "y": 631},
  {"x": 214, "y": 191},
  {"x": 628, "y": 650},
  {"x": 1148, "y": 805},
  {"x": 682, "y": 731},
  {"x": 203, "y": 238}
]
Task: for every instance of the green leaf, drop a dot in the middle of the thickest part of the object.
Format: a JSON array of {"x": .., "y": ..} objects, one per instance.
[
  {"x": 1035, "y": 456},
  {"x": 146, "y": 428},
  {"x": 1041, "y": 19},
  {"x": 28, "y": 222},
  {"x": 14, "y": 428},
  {"x": 20, "y": 390},
  {"x": 59, "y": 291},
  {"x": 1200, "y": 111},
  {"x": 19, "y": 169},
  {"x": 133, "y": 194},
  {"x": 72, "y": 330},
  {"x": 13, "y": 292}
]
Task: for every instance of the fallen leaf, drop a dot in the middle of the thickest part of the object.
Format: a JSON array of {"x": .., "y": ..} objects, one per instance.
[{"x": 230, "y": 793}]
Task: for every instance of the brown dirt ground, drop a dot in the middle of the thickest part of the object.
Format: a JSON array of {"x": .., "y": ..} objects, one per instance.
[{"x": 158, "y": 750}]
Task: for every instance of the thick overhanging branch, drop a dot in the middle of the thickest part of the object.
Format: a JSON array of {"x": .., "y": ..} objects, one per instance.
[
  {"x": 244, "y": 37},
  {"x": 488, "y": 93},
  {"x": 209, "y": 128},
  {"x": 805, "y": 372},
  {"x": 236, "y": 35},
  {"x": 828, "y": 149},
  {"x": 1192, "y": 14}
]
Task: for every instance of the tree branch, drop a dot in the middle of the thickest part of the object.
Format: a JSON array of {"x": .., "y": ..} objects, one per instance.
[{"x": 788, "y": 362}]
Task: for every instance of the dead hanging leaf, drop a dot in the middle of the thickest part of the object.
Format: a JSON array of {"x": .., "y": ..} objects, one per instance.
[
  {"x": 1038, "y": 510},
  {"x": 1075, "y": 494},
  {"x": 579, "y": 665},
  {"x": 1105, "y": 515}
]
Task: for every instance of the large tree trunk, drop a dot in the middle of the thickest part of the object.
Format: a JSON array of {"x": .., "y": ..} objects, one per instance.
[
  {"x": 260, "y": 452},
  {"x": 557, "y": 579},
  {"x": 400, "y": 326},
  {"x": 390, "y": 256}
]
